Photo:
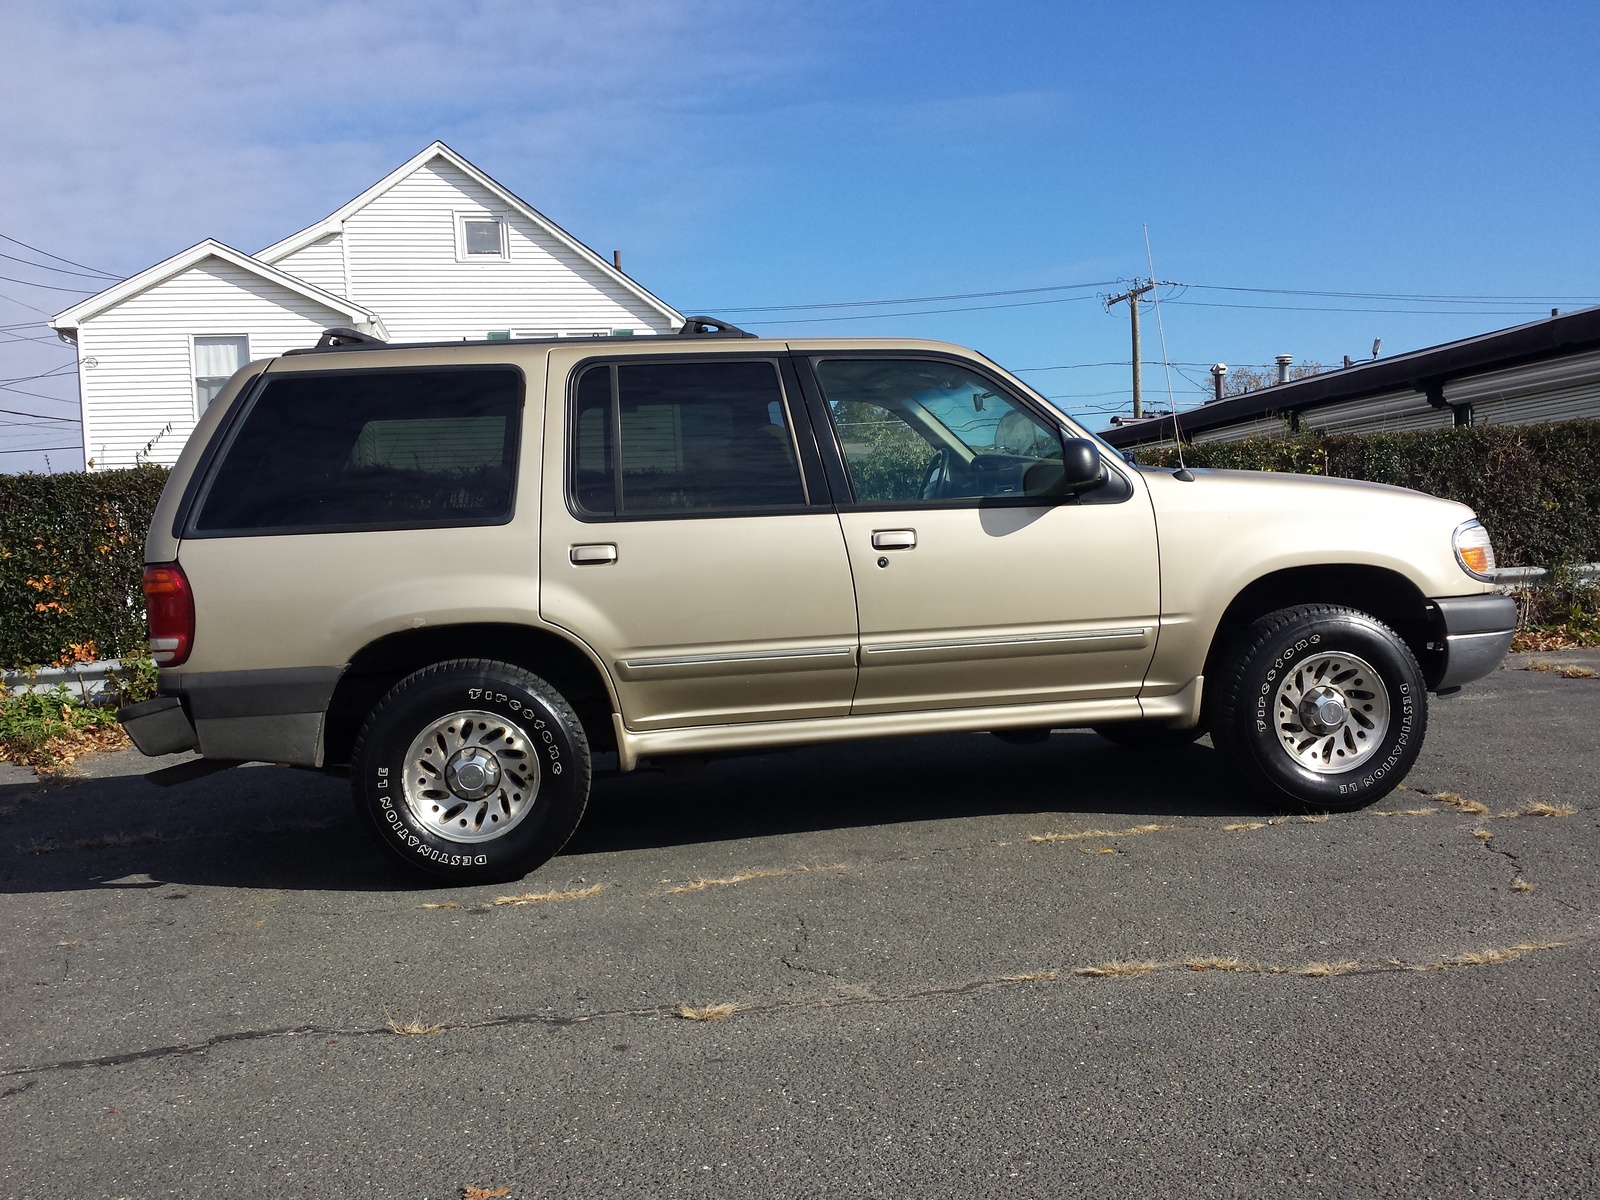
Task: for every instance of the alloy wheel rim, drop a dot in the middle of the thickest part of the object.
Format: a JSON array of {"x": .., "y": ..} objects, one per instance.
[
  {"x": 471, "y": 776},
  {"x": 1331, "y": 712}
]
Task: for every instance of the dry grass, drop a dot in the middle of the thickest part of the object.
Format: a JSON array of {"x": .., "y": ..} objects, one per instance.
[
  {"x": 57, "y": 755},
  {"x": 1563, "y": 670},
  {"x": 1087, "y": 834},
  {"x": 1458, "y": 802},
  {"x": 106, "y": 841},
  {"x": 1216, "y": 963},
  {"x": 1239, "y": 825},
  {"x": 1519, "y": 884},
  {"x": 545, "y": 897},
  {"x": 700, "y": 885},
  {"x": 1541, "y": 809},
  {"x": 1102, "y": 850},
  {"x": 1483, "y": 835},
  {"x": 1033, "y": 977},
  {"x": 416, "y": 1027},
  {"x": 1315, "y": 819},
  {"x": 1120, "y": 967},
  {"x": 477, "y": 1193},
  {"x": 446, "y": 904},
  {"x": 1326, "y": 970},
  {"x": 711, "y": 1012},
  {"x": 1491, "y": 956},
  {"x": 1404, "y": 812}
]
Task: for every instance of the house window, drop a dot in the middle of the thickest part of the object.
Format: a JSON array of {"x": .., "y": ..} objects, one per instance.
[
  {"x": 480, "y": 238},
  {"x": 215, "y": 361}
]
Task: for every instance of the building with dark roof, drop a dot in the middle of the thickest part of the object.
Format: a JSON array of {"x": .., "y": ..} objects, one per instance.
[{"x": 1547, "y": 370}]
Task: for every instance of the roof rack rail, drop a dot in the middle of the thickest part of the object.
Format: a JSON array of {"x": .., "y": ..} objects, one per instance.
[
  {"x": 712, "y": 327},
  {"x": 341, "y": 335}
]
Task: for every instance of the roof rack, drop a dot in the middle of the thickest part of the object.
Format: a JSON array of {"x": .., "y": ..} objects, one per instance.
[
  {"x": 342, "y": 335},
  {"x": 345, "y": 338},
  {"x": 712, "y": 327}
]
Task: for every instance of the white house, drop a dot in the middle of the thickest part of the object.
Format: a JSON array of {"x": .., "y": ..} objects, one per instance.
[{"x": 435, "y": 251}]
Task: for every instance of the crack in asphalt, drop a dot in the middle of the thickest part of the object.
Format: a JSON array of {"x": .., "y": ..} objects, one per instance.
[{"x": 848, "y": 996}]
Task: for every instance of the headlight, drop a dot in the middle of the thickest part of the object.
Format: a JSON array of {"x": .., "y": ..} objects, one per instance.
[{"x": 1474, "y": 551}]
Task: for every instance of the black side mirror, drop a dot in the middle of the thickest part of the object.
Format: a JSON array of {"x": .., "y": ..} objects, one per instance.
[
  {"x": 1080, "y": 468},
  {"x": 1080, "y": 464}
]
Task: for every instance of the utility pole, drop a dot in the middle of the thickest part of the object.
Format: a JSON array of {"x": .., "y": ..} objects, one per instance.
[{"x": 1132, "y": 297}]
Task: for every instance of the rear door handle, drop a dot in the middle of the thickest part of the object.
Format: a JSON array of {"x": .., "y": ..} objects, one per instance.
[
  {"x": 593, "y": 554},
  {"x": 894, "y": 539}
]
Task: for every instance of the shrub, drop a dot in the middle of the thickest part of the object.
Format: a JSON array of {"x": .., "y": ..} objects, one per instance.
[
  {"x": 71, "y": 556},
  {"x": 1536, "y": 487}
]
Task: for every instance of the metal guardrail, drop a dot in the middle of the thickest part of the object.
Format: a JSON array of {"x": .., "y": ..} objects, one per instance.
[
  {"x": 85, "y": 679},
  {"x": 1510, "y": 579}
]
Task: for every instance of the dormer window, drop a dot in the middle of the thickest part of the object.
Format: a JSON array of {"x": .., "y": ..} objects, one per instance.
[{"x": 480, "y": 238}]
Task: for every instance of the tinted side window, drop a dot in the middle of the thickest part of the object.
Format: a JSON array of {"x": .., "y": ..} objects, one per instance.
[
  {"x": 926, "y": 430},
  {"x": 692, "y": 437},
  {"x": 371, "y": 450}
]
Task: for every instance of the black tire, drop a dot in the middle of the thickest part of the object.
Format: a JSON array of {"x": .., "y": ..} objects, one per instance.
[
  {"x": 510, "y": 750},
  {"x": 1149, "y": 735},
  {"x": 1268, "y": 714}
]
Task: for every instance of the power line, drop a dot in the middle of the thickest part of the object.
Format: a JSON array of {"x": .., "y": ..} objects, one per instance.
[
  {"x": 14, "y": 412},
  {"x": 35, "y": 395},
  {"x": 1058, "y": 287},
  {"x": 42, "y": 449},
  {"x": 25, "y": 304},
  {"x": 925, "y": 312},
  {"x": 1402, "y": 296},
  {"x": 49, "y": 287},
  {"x": 57, "y": 257},
  {"x": 1420, "y": 312},
  {"x": 47, "y": 267}
]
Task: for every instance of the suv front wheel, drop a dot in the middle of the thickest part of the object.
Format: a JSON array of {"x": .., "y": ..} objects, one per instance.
[
  {"x": 1321, "y": 706},
  {"x": 472, "y": 771}
]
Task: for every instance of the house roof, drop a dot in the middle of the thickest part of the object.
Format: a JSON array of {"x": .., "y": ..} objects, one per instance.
[
  {"x": 148, "y": 278},
  {"x": 1424, "y": 371},
  {"x": 333, "y": 222}
]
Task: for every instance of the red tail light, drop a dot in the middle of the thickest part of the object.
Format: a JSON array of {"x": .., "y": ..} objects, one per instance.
[{"x": 170, "y": 607}]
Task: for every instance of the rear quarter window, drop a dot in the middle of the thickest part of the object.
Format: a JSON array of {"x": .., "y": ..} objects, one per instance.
[{"x": 390, "y": 449}]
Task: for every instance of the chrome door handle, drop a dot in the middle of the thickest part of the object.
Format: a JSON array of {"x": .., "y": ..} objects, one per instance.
[
  {"x": 894, "y": 539},
  {"x": 593, "y": 554}
]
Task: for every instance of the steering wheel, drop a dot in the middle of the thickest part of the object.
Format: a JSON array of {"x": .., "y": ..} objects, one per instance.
[{"x": 936, "y": 475}]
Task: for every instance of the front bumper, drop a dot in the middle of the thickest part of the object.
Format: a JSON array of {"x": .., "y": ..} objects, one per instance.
[{"x": 1477, "y": 634}]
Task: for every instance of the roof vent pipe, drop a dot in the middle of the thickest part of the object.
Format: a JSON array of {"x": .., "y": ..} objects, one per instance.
[
  {"x": 1283, "y": 361},
  {"x": 1218, "y": 374}
]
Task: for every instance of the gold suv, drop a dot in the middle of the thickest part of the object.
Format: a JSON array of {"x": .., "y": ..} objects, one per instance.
[{"x": 461, "y": 571}]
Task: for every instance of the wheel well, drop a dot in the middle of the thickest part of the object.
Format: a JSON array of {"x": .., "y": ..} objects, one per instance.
[
  {"x": 378, "y": 667},
  {"x": 1384, "y": 594}
]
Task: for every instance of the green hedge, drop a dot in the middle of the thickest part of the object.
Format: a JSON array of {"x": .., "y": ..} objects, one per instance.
[
  {"x": 72, "y": 546},
  {"x": 1536, "y": 487},
  {"x": 71, "y": 556}
]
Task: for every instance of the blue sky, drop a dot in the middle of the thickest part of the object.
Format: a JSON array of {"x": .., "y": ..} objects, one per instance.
[{"x": 752, "y": 155}]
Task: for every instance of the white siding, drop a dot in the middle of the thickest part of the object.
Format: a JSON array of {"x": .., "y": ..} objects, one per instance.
[
  {"x": 1562, "y": 389},
  {"x": 403, "y": 266},
  {"x": 1258, "y": 427},
  {"x": 143, "y": 377},
  {"x": 1392, "y": 412},
  {"x": 321, "y": 264}
]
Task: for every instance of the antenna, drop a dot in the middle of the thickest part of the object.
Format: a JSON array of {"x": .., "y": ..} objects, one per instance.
[{"x": 1166, "y": 365}]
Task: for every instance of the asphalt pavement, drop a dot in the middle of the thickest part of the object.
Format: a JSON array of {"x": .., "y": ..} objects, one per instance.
[{"x": 931, "y": 967}]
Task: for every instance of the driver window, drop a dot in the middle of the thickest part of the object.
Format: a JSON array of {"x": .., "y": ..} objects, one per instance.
[{"x": 923, "y": 430}]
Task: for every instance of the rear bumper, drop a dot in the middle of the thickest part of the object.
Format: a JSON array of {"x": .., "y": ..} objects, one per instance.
[
  {"x": 159, "y": 726},
  {"x": 236, "y": 716},
  {"x": 1477, "y": 634}
]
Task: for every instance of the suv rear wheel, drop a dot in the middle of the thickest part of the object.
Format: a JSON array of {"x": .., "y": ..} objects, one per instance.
[
  {"x": 472, "y": 771},
  {"x": 1321, "y": 706}
]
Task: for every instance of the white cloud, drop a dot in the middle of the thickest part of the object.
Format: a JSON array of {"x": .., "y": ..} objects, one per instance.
[{"x": 135, "y": 130}]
